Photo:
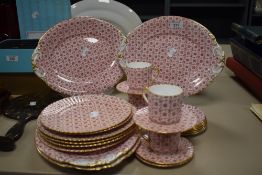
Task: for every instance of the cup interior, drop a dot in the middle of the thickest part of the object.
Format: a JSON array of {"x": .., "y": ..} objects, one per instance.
[
  {"x": 138, "y": 65},
  {"x": 165, "y": 90}
]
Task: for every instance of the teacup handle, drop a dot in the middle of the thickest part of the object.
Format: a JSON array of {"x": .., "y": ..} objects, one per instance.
[
  {"x": 157, "y": 70},
  {"x": 144, "y": 136},
  {"x": 144, "y": 94}
]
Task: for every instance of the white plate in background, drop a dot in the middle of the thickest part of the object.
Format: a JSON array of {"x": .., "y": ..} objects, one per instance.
[{"x": 114, "y": 12}]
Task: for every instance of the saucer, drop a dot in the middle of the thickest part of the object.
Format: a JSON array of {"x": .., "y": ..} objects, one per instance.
[
  {"x": 200, "y": 125},
  {"x": 183, "y": 156},
  {"x": 187, "y": 121},
  {"x": 124, "y": 87},
  {"x": 197, "y": 129}
]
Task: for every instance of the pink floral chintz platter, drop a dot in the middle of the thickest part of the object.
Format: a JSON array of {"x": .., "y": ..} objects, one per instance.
[
  {"x": 87, "y": 114},
  {"x": 78, "y": 56},
  {"x": 185, "y": 51}
]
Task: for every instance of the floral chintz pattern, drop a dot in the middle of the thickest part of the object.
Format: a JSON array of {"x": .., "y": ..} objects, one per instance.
[
  {"x": 185, "y": 51},
  {"x": 78, "y": 56},
  {"x": 164, "y": 110}
]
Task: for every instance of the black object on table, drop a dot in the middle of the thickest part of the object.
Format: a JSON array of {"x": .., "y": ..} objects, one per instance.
[{"x": 24, "y": 109}]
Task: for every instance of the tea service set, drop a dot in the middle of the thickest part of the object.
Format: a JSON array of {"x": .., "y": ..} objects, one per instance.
[
  {"x": 92, "y": 131},
  {"x": 162, "y": 116}
]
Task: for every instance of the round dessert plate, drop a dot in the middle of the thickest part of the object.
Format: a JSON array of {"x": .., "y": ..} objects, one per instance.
[
  {"x": 114, "y": 12},
  {"x": 124, "y": 87},
  {"x": 185, "y": 51},
  {"x": 78, "y": 56},
  {"x": 188, "y": 120},
  {"x": 88, "y": 114},
  {"x": 86, "y": 145},
  {"x": 86, "y": 160},
  {"x": 184, "y": 155},
  {"x": 64, "y": 138},
  {"x": 84, "y": 149}
]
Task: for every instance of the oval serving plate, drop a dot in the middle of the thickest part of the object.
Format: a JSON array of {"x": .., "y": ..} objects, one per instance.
[
  {"x": 185, "y": 51},
  {"x": 78, "y": 56},
  {"x": 114, "y": 12}
]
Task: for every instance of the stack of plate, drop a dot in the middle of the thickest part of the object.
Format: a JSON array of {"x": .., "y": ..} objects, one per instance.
[
  {"x": 201, "y": 124},
  {"x": 197, "y": 129},
  {"x": 89, "y": 132}
]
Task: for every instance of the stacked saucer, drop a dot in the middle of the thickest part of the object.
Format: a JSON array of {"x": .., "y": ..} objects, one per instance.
[
  {"x": 89, "y": 132},
  {"x": 135, "y": 98},
  {"x": 201, "y": 124},
  {"x": 162, "y": 123}
]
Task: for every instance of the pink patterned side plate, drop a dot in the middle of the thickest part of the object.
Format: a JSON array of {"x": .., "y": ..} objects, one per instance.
[
  {"x": 86, "y": 160},
  {"x": 184, "y": 155},
  {"x": 84, "y": 149},
  {"x": 78, "y": 56},
  {"x": 86, "y": 114},
  {"x": 86, "y": 138},
  {"x": 123, "y": 87},
  {"x": 187, "y": 121},
  {"x": 185, "y": 51}
]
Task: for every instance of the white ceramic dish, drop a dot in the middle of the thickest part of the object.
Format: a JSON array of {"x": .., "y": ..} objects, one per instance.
[{"x": 114, "y": 12}]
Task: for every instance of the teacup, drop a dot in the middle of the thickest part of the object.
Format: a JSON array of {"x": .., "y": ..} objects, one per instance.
[
  {"x": 164, "y": 103},
  {"x": 140, "y": 74},
  {"x": 162, "y": 143}
]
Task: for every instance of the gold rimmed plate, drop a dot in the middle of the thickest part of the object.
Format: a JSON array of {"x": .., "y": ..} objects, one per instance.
[
  {"x": 87, "y": 114},
  {"x": 86, "y": 160},
  {"x": 129, "y": 125},
  {"x": 84, "y": 146},
  {"x": 96, "y": 167},
  {"x": 82, "y": 150},
  {"x": 72, "y": 143}
]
